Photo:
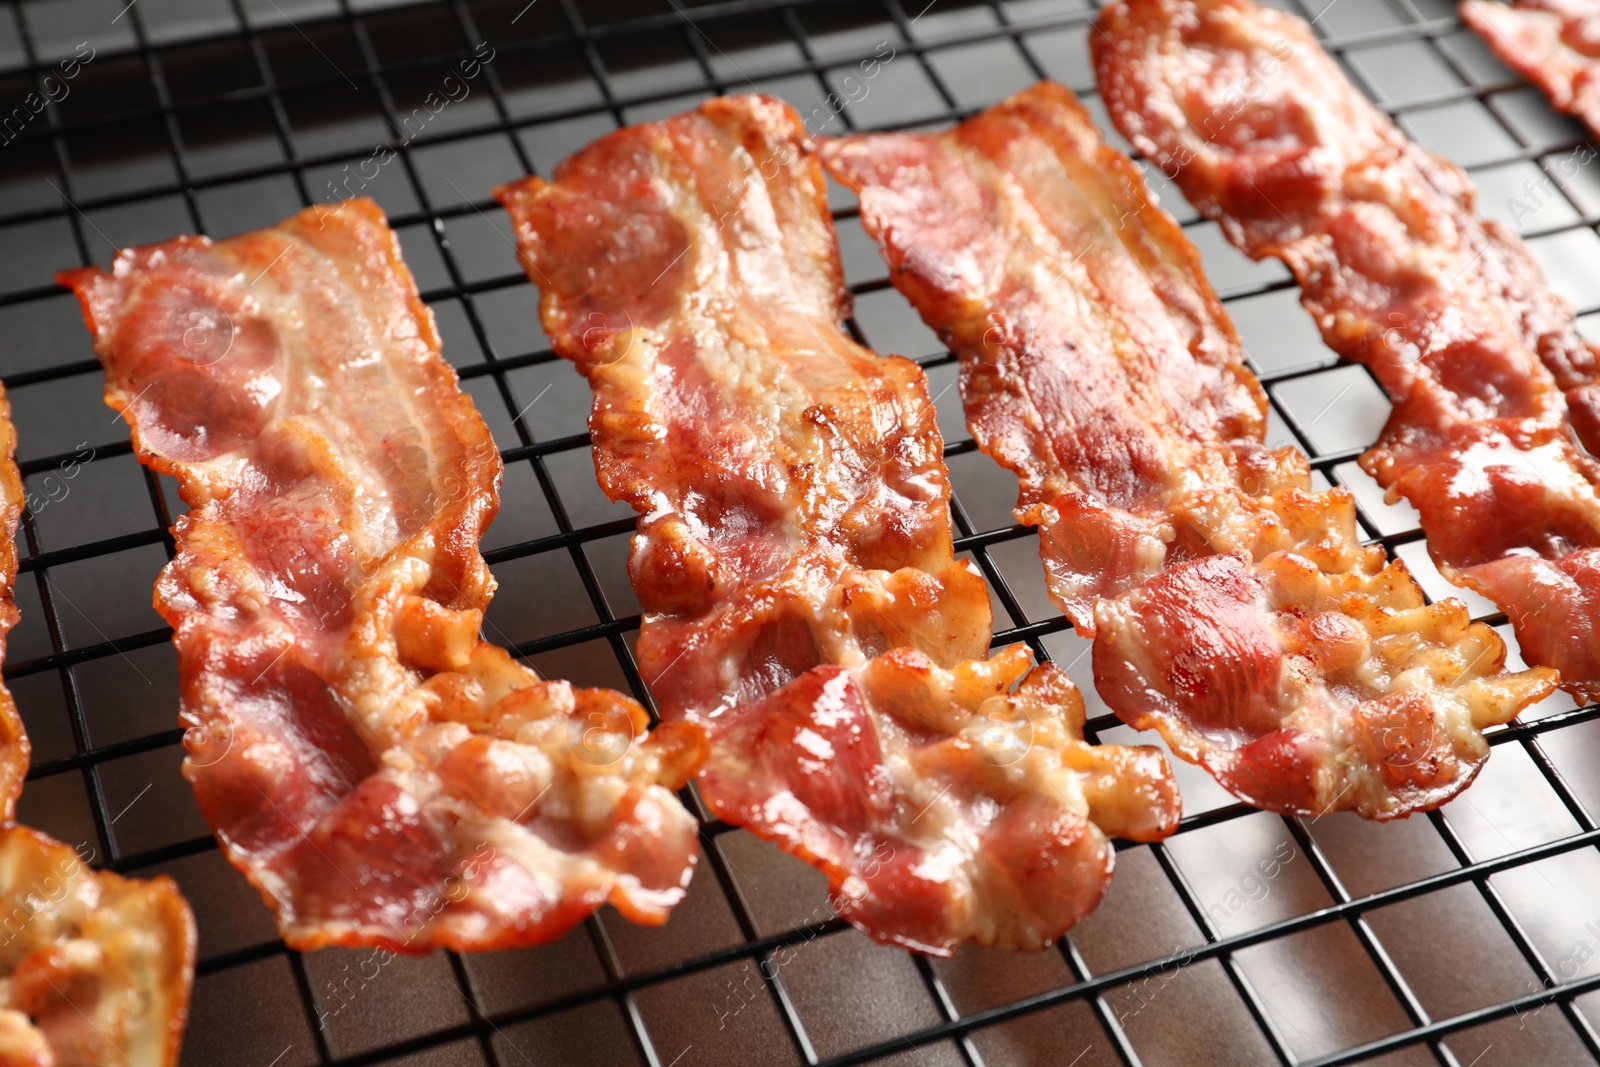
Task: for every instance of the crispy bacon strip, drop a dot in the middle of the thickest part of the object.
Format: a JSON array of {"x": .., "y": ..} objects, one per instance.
[
  {"x": 95, "y": 969},
  {"x": 1553, "y": 43},
  {"x": 1233, "y": 609},
  {"x": 1493, "y": 389},
  {"x": 15, "y": 749},
  {"x": 380, "y": 774},
  {"x": 794, "y": 553}
]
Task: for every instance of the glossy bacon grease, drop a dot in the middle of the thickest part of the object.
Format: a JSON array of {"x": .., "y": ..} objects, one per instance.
[
  {"x": 379, "y": 773},
  {"x": 95, "y": 969},
  {"x": 1493, "y": 390},
  {"x": 1232, "y": 608},
  {"x": 794, "y": 558},
  {"x": 1553, "y": 43}
]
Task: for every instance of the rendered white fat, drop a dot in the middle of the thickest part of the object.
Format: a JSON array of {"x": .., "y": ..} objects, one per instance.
[
  {"x": 654, "y": 810},
  {"x": 136, "y": 940},
  {"x": 214, "y": 479},
  {"x": 1452, "y": 716},
  {"x": 555, "y": 872}
]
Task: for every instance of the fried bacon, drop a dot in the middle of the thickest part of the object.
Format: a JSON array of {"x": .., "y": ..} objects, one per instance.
[
  {"x": 1553, "y": 43},
  {"x": 95, "y": 969},
  {"x": 1493, "y": 390},
  {"x": 1232, "y": 608},
  {"x": 15, "y": 749},
  {"x": 379, "y": 773},
  {"x": 794, "y": 555}
]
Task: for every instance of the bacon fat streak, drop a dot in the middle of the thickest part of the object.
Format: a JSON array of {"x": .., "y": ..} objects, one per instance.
[
  {"x": 95, "y": 969},
  {"x": 794, "y": 557},
  {"x": 1232, "y": 608},
  {"x": 379, "y": 773},
  {"x": 1553, "y": 43},
  {"x": 1493, "y": 390}
]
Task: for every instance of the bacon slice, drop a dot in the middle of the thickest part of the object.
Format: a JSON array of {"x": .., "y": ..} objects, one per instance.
[
  {"x": 95, "y": 969},
  {"x": 1553, "y": 43},
  {"x": 1232, "y": 608},
  {"x": 794, "y": 556},
  {"x": 15, "y": 749},
  {"x": 379, "y": 773},
  {"x": 1493, "y": 389}
]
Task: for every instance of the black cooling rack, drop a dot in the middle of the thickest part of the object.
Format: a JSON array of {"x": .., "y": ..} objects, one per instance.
[{"x": 1470, "y": 936}]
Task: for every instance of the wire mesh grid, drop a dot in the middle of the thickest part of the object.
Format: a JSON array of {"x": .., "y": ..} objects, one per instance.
[{"x": 1470, "y": 936}]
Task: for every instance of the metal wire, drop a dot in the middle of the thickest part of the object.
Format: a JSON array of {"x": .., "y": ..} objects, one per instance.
[{"x": 697, "y": 29}]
